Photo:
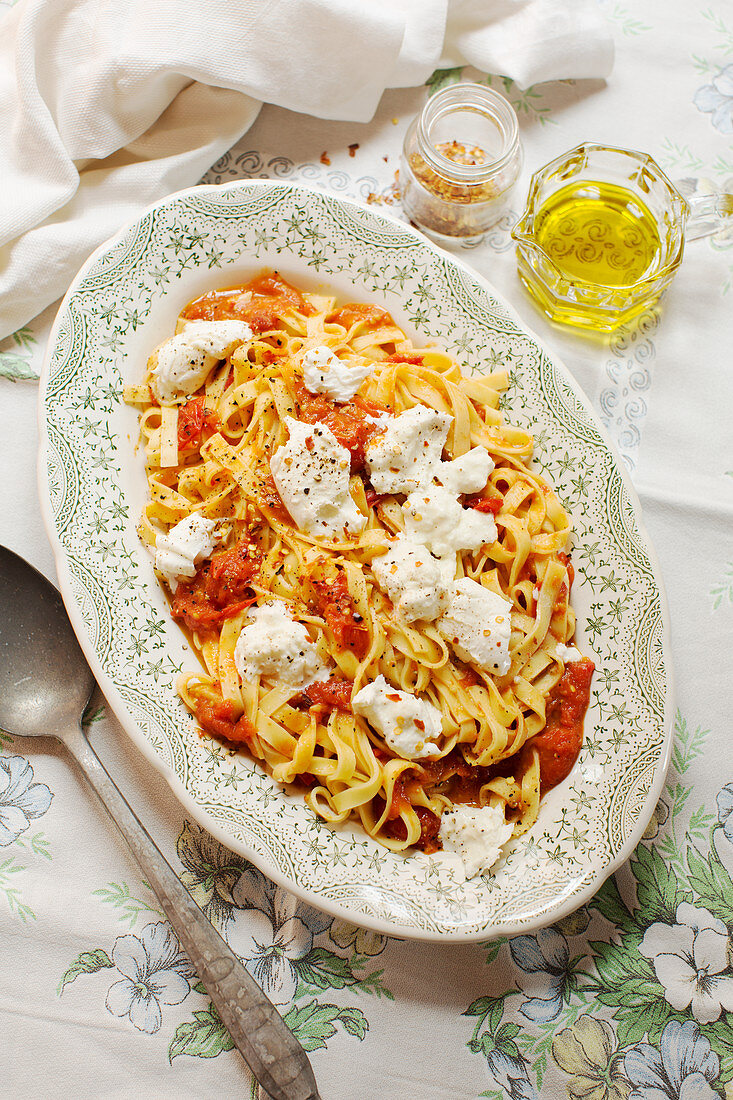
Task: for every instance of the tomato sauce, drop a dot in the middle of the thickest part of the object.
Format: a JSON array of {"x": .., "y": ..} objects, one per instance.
[
  {"x": 229, "y": 574},
  {"x": 260, "y": 302},
  {"x": 334, "y": 693},
  {"x": 348, "y": 423},
  {"x": 485, "y": 504},
  {"x": 462, "y": 781},
  {"x": 220, "y": 589},
  {"x": 193, "y": 419},
  {"x": 399, "y": 801},
  {"x": 429, "y": 828},
  {"x": 437, "y": 771},
  {"x": 216, "y": 717},
  {"x": 271, "y": 498},
  {"x": 412, "y": 359},
  {"x": 395, "y": 826},
  {"x": 353, "y": 312},
  {"x": 335, "y": 603},
  {"x": 559, "y": 743},
  {"x": 305, "y": 779},
  {"x": 563, "y": 557}
]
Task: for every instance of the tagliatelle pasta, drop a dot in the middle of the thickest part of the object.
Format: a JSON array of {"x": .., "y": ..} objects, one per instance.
[{"x": 500, "y": 703}]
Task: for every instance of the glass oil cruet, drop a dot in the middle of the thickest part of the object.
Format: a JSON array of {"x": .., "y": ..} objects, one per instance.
[{"x": 603, "y": 234}]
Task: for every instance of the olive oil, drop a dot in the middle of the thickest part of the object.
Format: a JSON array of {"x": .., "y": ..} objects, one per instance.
[{"x": 599, "y": 233}]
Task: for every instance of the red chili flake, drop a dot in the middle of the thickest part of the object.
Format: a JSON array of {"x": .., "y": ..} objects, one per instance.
[
  {"x": 325, "y": 159},
  {"x": 353, "y": 148}
]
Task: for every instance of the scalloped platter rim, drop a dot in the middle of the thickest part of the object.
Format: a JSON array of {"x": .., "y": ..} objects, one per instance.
[{"x": 125, "y": 301}]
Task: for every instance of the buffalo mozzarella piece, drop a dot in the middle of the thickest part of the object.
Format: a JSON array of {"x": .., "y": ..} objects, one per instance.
[
  {"x": 409, "y": 725},
  {"x": 405, "y": 455},
  {"x": 274, "y": 646},
  {"x": 466, "y": 474},
  {"x": 184, "y": 547},
  {"x": 478, "y": 625},
  {"x": 311, "y": 472},
  {"x": 413, "y": 579},
  {"x": 324, "y": 372},
  {"x": 181, "y": 364},
  {"x": 434, "y": 517},
  {"x": 476, "y": 834}
]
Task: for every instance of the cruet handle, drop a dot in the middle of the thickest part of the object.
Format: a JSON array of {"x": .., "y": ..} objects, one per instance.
[{"x": 709, "y": 213}]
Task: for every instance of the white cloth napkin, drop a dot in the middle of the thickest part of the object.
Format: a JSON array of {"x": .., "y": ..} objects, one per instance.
[{"x": 106, "y": 106}]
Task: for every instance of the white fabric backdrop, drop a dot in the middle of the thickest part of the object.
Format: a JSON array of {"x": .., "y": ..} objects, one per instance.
[{"x": 105, "y": 108}]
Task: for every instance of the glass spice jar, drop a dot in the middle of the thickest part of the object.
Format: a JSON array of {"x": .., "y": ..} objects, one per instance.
[{"x": 460, "y": 160}]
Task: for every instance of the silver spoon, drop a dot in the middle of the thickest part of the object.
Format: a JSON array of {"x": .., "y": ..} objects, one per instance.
[{"x": 45, "y": 685}]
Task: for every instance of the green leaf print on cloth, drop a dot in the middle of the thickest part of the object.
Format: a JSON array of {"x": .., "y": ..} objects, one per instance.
[
  {"x": 527, "y": 102},
  {"x": 312, "y": 1024},
  {"x": 633, "y": 1000},
  {"x": 211, "y": 872},
  {"x": 89, "y": 962},
  {"x": 12, "y": 365},
  {"x": 203, "y": 1037},
  {"x": 623, "y": 19},
  {"x": 443, "y": 78},
  {"x": 15, "y": 368},
  {"x": 722, "y": 592},
  {"x": 129, "y": 908}
]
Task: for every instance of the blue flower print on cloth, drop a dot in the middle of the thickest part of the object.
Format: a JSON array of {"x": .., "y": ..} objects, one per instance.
[
  {"x": 681, "y": 1069},
  {"x": 546, "y": 957},
  {"x": 155, "y": 972},
  {"x": 690, "y": 959},
  {"x": 717, "y": 99},
  {"x": 725, "y": 810},
  {"x": 21, "y": 799},
  {"x": 510, "y": 1074},
  {"x": 278, "y": 932}
]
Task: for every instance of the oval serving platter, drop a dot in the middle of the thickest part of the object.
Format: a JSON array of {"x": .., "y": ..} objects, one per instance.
[{"x": 122, "y": 304}]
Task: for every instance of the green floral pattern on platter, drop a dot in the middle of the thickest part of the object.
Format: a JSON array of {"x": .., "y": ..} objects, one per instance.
[{"x": 123, "y": 303}]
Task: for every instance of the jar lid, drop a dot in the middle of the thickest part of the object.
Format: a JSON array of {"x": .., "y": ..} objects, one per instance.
[{"x": 476, "y": 123}]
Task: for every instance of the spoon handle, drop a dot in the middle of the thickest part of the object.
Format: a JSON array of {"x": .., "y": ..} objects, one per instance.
[{"x": 274, "y": 1055}]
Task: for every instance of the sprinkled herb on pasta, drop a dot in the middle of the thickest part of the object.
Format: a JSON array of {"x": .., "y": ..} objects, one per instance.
[{"x": 376, "y": 582}]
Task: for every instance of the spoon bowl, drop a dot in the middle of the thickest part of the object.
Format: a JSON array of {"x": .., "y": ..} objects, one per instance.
[
  {"x": 45, "y": 686},
  {"x": 45, "y": 682}
]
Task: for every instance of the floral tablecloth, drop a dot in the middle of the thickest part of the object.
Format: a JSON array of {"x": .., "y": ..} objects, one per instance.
[{"x": 632, "y": 996}]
